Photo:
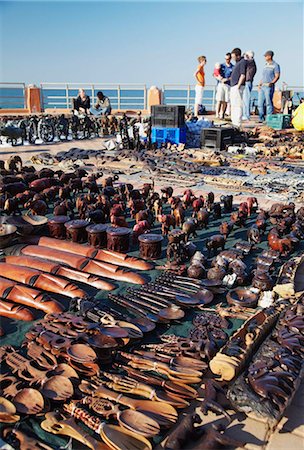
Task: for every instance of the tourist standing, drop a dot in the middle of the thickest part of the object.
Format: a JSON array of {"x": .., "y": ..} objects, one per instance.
[
  {"x": 200, "y": 83},
  {"x": 237, "y": 83},
  {"x": 250, "y": 73},
  {"x": 223, "y": 87},
  {"x": 271, "y": 74}
]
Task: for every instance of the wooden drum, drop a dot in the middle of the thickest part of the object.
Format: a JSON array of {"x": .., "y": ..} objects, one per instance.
[
  {"x": 56, "y": 226},
  {"x": 150, "y": 246},
  {"x": 118, "y": 239},
  {"x": 97, "y": 235},
  {"x": 76, "y": 230}
]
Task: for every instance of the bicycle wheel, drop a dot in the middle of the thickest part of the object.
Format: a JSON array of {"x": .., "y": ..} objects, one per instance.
[
  {"x": 46, "y": 131},
  {"x": 32, "y": 132}
]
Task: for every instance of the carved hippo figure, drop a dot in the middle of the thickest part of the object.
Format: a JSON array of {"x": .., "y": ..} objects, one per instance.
[
  {"x": 189, "y": 228},
  {"x": 202, "y": 217},
  {"x": 42, "y": 183},
  {"x": 167, "y": 221},
  {"x": 215, "y": 242},
  {"x": 253, "y": 235},
  {"x": 13, "y": 188}
]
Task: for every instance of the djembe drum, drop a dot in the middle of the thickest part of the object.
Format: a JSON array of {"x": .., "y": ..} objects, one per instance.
[
  {"x": 118, "y": 239},
  {"x": 76, "y": 230},
  {"x": 57, "y": 226},
  {"x": 150, "y": 246},
  {"x": 97, "y": 235}
]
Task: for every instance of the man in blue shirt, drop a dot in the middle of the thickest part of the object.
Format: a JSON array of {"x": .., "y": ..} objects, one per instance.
[
  {"x": 223, "y": 87},
  {"x": 270, "y": 76}
]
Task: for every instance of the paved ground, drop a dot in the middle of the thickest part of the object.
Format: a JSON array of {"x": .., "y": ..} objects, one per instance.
[{"x": 289, "y": 433}]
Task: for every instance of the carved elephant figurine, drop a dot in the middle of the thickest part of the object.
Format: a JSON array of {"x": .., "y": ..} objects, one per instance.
[
  {"x": 189, "y": 228},
  {"x": 215, "y": 242},
  {"x": 202, "y": 217}
]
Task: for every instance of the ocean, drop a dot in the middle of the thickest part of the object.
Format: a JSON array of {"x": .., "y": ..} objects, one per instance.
[{"x": 122, "y": 99}]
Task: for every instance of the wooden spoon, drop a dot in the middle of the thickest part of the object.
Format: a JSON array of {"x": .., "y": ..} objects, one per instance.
[
  {"x": 7, "y": 411},
  {"x": 134, "y": 332},
  {"x": 138, "y": 423},
  {"x": 179, "y": 389},
  {"x": 121, "y": 439},
  {"x": 29, "y": 401},
  {"x": 57, "y": 388},
  {"x": 56, "y": 424},
  {"x": 163, "y": 413}
]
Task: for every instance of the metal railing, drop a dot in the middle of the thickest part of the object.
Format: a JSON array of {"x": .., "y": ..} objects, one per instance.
[
  {"x": 122, "y": 96},
  {"x": 12, "y": 95},
  {"x": 298, "y": 93}
]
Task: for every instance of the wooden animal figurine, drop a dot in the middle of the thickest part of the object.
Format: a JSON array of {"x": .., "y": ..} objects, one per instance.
[
  {"x": 167, "y": 221},
  {"x": 215, "y": 242},
  {"x": 179, "y": 214}
]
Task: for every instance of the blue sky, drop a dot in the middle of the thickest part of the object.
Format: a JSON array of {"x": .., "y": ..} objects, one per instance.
[{"x": 143, "y": 42}]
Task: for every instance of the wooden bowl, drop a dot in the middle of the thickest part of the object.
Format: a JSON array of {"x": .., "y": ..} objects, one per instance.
[
  {"x": 171, "y": 313},
  {"x": 242, "y": 297},
  {"x": 7, "y": 234},
  {"x": 37, "y": 222}
]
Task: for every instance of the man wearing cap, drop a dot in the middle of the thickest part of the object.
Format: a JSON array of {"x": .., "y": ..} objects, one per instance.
[
  {"x": 250, "y": 73},
  {"x": 271, "y": 74}
]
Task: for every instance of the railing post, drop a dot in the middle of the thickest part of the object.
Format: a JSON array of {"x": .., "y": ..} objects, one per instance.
[
  {"x": 67, "y": 95},
  {"x": 213, "y": 98},
  {"x": 118, "y": 97},
  {"x": 188, "y": 96},
  {"x": 145, "y": 97},
  {"x": 93, "y": 93}
]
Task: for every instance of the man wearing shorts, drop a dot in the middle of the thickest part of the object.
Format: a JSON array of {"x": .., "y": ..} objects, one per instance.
[
  {"x": 200, "y": 83},
  {"x": 223, "y": 87}
]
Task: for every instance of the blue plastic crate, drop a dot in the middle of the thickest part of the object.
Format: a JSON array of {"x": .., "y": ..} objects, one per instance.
[
  {"x": 278, "y": 121},
  {"x": 172, "y": 135}
]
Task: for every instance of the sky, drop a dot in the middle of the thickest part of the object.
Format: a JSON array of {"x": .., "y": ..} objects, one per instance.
[{"x": 153, "y": 43}]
